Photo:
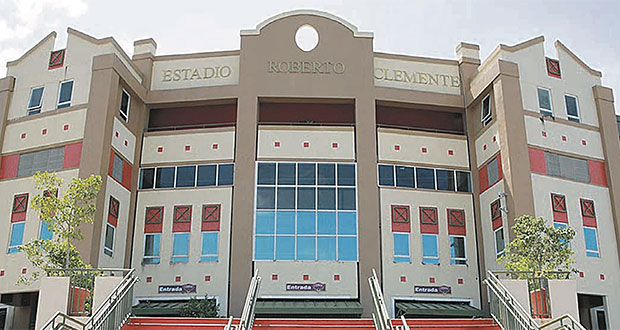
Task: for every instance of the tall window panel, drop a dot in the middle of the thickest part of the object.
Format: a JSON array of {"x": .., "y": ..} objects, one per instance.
[
  {"x": 18, "y": 222},
  {"x": 305, "y": 211}
]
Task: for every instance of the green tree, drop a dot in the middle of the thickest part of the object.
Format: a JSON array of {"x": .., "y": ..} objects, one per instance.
[
  {"x": 64, "y": 216},
  {"x": 207, "y": 307},
  {"x": 538, "y": 248}
]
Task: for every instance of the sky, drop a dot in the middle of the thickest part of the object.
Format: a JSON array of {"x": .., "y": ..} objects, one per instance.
[{"x": 431, "y": 28}]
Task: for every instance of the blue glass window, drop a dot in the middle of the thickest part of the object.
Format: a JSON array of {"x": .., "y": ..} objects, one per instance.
[
  {"x": 306, "y": 198},
  {"x": 559, "y": 225},
  {"x": 147, "y": 177},
  {"x": 401, "y": 247},
  {"x": 327, "y": 247},
  {"x": 180, "y": 247},
  {"x": 286, "y": 198},
  {"x": 17, "y": 236},
  {"x": 404, "y": 177},
  {"x": 386, "y": 175},
  {"x": 347, "y": 248},
  {"x": 306, "y": 174},
  {"x": 306, "y": 248},
  {"x": 327, "y": 174},
  {"x": 45, "y": 234},
  {"x": 266, "y": 173},
  {"x": 286, "y": 173},
  {"x": 346, "y": 199},
  {"x": 265, "y": 198},
  {"x": 445, "y": 180},
  {"x": 327, "y": 199},
  {"x": 151, "y": 248},
  {"x": 499, "y": 242},
  {"x": 265, "y": 222},
  {"x": 225, "y": 174},
  {"x": 463, "y": 181},
  {"x": 64, "y": 97},
  {"x": 186, "y": 176},
  {"x": 165, "y": 177},
  {"x": 430, "y": 250},
  {"x": 263, "y": 247},
  {"x": 457, "y": 250},
  {"x": 347, "y": 223},
  {"x": 591, "y": 242},
  {"x": 206, "y": 175},
  {"x": 425, "y": 178},
  {"x": 346, "y": 175},
  {"x": 209, "y": 246},
  {"x": 285, "y": 222},
  {"x": 285, "y": 247},
  {"x": 327, "y": 223},
  {"x": 306, "y": 223}
]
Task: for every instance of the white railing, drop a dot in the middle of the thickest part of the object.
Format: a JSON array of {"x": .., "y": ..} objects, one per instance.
[
  {"x": 110, "y": 315},
  {"x": 380, "y": 315},
  {"x": 510, "y": 315},
  {"x": 247, "y": 316}
]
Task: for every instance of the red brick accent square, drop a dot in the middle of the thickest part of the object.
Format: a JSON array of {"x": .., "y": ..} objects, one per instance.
[
  {"x": 149, "y": 279},
  {"x": 335, "y": 145},
  {"x": 126, "y": 143},
  {"x": 66, "y": 127},
  {"x": 207, "y": 278},
  {"x": 403, "y": 278},
  {"x": 494, "y": 138},
  {"x": 336, "y": 277},
  {"x": 564, "y": 138},
  {"x": 44, "y": 131},
  {"x": 544, "y": 134},
  {"x": 116, "y": 134},
  {"x": 274, "y": 277},
  {"x": 215, "y": 146},
  {"x": 459, "y": 281},
  {"x": 484, "y": 147},
  {"x": 160, "y": 149},
  {"x": 23, "y": 135},
  {"x": 306, "y": 144},
  {"x": 1, "y": 272},
  {"x": 581, "y": 274},
  {"x": 188, "y": 148},
  {"x": 306, "y": 277},
  {"x": 450, "y": 152},
  {"x": 431, "y": 280},
  {"x": 276, "y": 144},
  {"x": 24, "y": 271},
  {"x": 583, "y": 142},
  {"x": 396, "y": 147},
  {"x": 424, "y": 150},
  {"x": 177, "y": 279},
  {"x": 57, "y": 59},
  {"x": 602, "y": 277}
]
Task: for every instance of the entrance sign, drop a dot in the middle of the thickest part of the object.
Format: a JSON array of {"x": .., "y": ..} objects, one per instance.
[
  {"x": 305, "y": 286},
  {"x": 181, "y": 288},
  {"x": 433, "y": 289},
  {"x": 417, "y": 75}
]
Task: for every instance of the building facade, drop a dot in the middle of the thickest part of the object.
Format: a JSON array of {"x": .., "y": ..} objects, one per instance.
[{"x": 312, "y": 165}]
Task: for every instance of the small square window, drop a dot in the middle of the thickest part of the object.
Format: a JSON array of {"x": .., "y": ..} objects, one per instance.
[
  {"x": 456, "y": 218},
  {"x": 485, "y": 112},
  {"x": 428, "y": 215},
  {"x": 35, "y": 101},
  {"x": 125, "y": 103},
  {"x": 182, "y": 213},
  {"x": 154, "y": 215},
  {"x": 544, "y": 102},
  {"x": 400, "y": 213},
  {"x": 20, "y": 203},
  {"x": 211, "y": 212}
]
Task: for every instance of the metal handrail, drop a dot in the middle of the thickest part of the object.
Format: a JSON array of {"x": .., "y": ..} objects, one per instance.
[
  {"x": 380, "y": 315},
  {"x": 503, "y": 302},
  {"x": 247, "y": 316},
  {"x": 111, "y": 314}
]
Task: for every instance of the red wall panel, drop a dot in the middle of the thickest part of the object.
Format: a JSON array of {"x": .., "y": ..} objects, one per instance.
[
  {"x": 8, "y": 166},
  {"x": 537, "y": 161},
  {"x": 73, "y": 153},
  {"x": 597, "y": 173}
]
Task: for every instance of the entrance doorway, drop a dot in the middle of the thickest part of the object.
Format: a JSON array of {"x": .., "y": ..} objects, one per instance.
[{"x": 592, "y": 311}]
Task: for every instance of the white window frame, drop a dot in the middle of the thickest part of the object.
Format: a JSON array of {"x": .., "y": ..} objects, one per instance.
[
  {"x": 217, "y": 253},
  {"x": 464, "y": 259},
  {"x": 577, "y": 118},
  {"x": 41, "y": 230},
  {"x": 503, "y": 251},
  {"x": 172, "y": 255},
  {"x": 545, "y": 112},
  {"x": 436, "y": 246},
  {"x": 8, "y": 251},
  {"x": 598, "y": 245},
  {"x": 67, "y": 103},
  {"x": 408, "y": 255},
  {"x": 125, "y": 115},
  {"x": 486, "y": 119},
  {"x": 105, "y": 248},
  {"x": 33, "y": 110},
  {"x": 144, "y": 256}
]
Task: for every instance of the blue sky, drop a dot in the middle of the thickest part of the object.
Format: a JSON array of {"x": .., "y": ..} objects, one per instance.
[{"x": 425, "y": 28}]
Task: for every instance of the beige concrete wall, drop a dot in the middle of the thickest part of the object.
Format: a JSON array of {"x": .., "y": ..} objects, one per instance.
[
  {"x": 117, "y": 260},
  {"x": 194, "y": 271},
  {"x": 487, "y": 234},
  {"x": 55, "y": 133},
  {"x": 123, "y": 140},
  {"x": 410, "y": 144},
  {"x": 195, "y": 72},
  {"x": 201, "y": 144},
  {"x": 104, "y": 285},
  {"x": 563, "y": 298},
  {"x": 554, "y": 131},
  {"x": 292, "y": 139},
  {"x": 575, "y": 80},
  {"x": 519, "y": 290},
  {"x": 53, "y": 297},
  {"x": 487, "y": 145},
  {"x": 317, "y": 271},
  {"x": 607, "y": 264},
  {"x": 417, "y": 273},
  {"x": 14, "y": 262}
]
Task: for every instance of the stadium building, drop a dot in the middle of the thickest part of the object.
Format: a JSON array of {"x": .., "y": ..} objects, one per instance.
[{"x": 312, "y": 164}]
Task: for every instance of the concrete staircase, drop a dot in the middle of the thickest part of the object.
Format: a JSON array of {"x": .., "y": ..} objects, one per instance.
[{"x": 164, "y": 323}]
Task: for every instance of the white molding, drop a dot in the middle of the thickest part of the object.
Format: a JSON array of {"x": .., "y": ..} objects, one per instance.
[{"x": 261, "y": 25}]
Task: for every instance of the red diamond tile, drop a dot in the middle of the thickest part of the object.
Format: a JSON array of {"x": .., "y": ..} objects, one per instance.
[
  {"x": 2, "y": 272},
  {"x": 335, "y": 145},
  {"x": 336, "y": 277},
  {"x": 207, "y": 278},
  {"x": 188, "y": 148},
  {"x": 116, "y": 134},
  {"x": 396, "y": 147},
  {"x": 149, "y": 279},
  {"x": 306, "y": 144},
  {"x": 177, "y": 279},
  {"x": 276, "y": 144},
  {"x": 403, "y": 278},
  {"x": 126, "y": 143},
  {"x": 66, "y": 127},
  {"x": 431, "y": 280},
  {"x": 424, "y": 150},
  {"x": 24, "y": 271},
  {"x": 484, "y": 147},
  {"x": 306, "y": 277},
  {"x": 459, "y": 281},
  {"x": 450, "y": 152},
  {"x": 544, "y": 134},
  {"x": 581, "y": 274},
  {"x": 564, "y": 138},
  {"x": 44, "y": 131},
  {"x": 215, "y": 146},
  {"x": 274, "y": 277},
  {"x": 602, "y": 277},
  {"x": 23, "y": 135},
  {"x": 583, "y": 142},
  {"x": 160, "y": 149}
]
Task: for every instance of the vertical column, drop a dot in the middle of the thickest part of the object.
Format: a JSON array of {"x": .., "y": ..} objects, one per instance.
[
  {"x": 604, "y": 101},
  {"x": 513, "y": 143},
  {"x": 6, "y": 91},
  {"x": 369, "y": 233},
  {"x": 243, "y": 203}
]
